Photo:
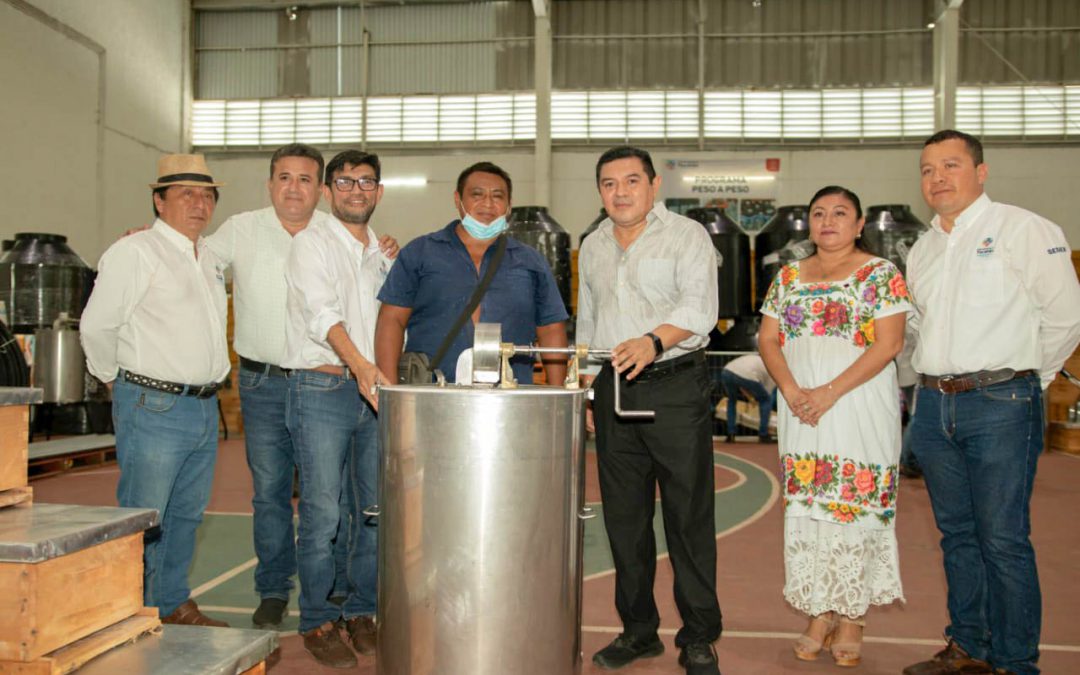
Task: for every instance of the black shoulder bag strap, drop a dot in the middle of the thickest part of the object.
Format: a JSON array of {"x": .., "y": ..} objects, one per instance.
[{"x": 481, "y": 288}]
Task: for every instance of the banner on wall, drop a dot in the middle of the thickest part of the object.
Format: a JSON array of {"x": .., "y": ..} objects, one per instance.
[{"x": 745, "y": 189}]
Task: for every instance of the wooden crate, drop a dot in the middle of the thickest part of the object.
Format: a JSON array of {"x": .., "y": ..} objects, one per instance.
[
  {"x": 1064, "y": 437},
  {"x": 21, "y": 496},
  {"x": 14, "y": 426},
  {"x": 75, "y": 655},
  {"x": 50, "y": 604}
]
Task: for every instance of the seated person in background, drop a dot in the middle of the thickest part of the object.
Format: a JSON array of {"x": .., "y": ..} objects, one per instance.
[
  {"x": 435, "y": 275},
  {"x": 748, "y": 373}
]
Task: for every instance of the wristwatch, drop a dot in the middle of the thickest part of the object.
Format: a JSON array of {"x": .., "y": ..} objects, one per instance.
[{"x": 657, "y": 344}]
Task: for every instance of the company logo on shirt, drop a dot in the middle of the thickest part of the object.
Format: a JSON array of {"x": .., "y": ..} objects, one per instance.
[
  {"x": 986, "y": 249},
  {"x": 1057, "y": 249}
]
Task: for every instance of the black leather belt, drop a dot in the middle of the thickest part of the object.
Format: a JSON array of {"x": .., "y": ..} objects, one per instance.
[
  {"x": 260, "y": 367},
  {"x": 954, "y": 384},
  {"x": 196, "y": 390},
  {"x": 661, "y": 369}
]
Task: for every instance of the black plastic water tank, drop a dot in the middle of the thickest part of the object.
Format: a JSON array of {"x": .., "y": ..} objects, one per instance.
[
  {"x": 733, "y": 277},
  {"x": 533, "y": 225},
  {"x": 786, "y": 237},
  {"x": 593, "y": 225},
  {"x": 40, "y": 277},
  {"x": 891, "y": 230}
]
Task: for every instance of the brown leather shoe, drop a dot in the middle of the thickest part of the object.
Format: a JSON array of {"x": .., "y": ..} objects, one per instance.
[
  {"x": 188, "y": 614},
  {"x": 326, "y": 645},
  {"x": 952, "y": 659},
  {"x": 362, "y": 633}
]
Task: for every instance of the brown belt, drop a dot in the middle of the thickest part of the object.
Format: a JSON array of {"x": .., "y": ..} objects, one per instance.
[
  {"x": 340, "y": 371},
  {"x": 954, "y": 384}
]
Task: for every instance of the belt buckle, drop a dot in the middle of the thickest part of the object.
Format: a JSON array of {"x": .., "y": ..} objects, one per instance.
[{"x": 942, "y": 381}]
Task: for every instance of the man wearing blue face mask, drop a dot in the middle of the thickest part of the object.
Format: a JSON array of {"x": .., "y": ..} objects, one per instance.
[{"x": 431, "y": 282}]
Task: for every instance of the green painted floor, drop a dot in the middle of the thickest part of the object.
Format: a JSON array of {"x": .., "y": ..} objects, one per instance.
[{"x": 224, "y": 555}]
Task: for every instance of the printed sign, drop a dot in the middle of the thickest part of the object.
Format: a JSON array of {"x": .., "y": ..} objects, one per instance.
[{"x": 745, "y": 189}]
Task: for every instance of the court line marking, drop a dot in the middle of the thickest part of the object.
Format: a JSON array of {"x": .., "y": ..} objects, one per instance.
[
  {"x": 222, "y": 578},
  {"x": 769, "y": 635},
  {"x": 750, "y": 520},
  {"x": 228, "y": 513}
]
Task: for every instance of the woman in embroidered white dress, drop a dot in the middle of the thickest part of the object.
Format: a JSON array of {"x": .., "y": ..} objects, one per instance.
[{"x": 832, "y": 324}]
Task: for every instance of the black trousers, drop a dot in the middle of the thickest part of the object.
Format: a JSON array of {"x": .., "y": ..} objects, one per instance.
[{"x": 674, "y": 450}]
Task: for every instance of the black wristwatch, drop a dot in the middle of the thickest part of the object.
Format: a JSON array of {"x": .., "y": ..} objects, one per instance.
[{"x": 657, "y": 344}]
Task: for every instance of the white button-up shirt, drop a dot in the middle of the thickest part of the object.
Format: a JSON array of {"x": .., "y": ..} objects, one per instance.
[
  {"x": 751, "y": 367},
  {"x": 667, "y": 275},
  {"x": 998, "y": 291},
  {"x": 157, "y": 310},
  {"x": 257, "y": 247},
  {"x": 332, "y": 278}
]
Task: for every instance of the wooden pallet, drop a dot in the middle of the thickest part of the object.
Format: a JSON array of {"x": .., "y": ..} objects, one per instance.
[
  {"x": 75, "y": 655},
  {"x": 22, "y": 496}
]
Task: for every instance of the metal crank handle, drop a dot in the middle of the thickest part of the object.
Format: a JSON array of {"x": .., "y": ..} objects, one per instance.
[{"x": 627, "y": 414}]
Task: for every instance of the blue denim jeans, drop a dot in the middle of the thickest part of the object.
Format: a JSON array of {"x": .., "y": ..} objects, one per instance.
[
  {"x": 271, "y": 458},
  {"x": 336, "y": 434},
  {"x": 978, "y": 451},
  {"x": 732, "y": 383},
  {"x": 166, "y": 446}
]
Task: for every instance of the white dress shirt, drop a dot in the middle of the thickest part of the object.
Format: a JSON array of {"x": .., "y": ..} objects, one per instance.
[
  {"x": 332, "y": 278},
  {"x": 667, "y": 275},
  {"x": 257, "y": 247},
  {"x": 752, "y": 367},
  {"x": 157, "y": 310},
  {"x": 998, "y": 291}
]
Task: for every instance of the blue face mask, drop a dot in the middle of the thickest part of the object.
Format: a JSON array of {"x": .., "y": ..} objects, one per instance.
[{"x": 477, "y": 229}]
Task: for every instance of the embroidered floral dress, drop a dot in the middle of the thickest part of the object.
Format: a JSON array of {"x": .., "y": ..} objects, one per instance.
[{"x": 839, "y": 478}]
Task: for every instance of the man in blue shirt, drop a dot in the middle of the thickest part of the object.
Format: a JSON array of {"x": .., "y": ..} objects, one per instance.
[{"x": 435, "y": 275}]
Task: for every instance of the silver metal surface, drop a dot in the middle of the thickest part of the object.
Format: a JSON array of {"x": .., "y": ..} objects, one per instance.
[
  {"x": 59, "y": 365},
  {"x": 20, "y": 395},
  {"x": 187, "y": 650},
  {"x": 43, "y": 531},
  {"x": 480, "y": 530},
  {"x": 72, "y": 445},
  {"x": 617, "y": 379},
  {"x": 486, "y": 339}
]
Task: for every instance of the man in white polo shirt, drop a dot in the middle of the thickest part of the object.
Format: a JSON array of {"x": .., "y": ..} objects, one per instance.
[
  {"x": 334, "y": 272},
  {"x": 154, "y": 330},
  {"x": 998, "y": 312},
  {"x": 256, "y": 244}
]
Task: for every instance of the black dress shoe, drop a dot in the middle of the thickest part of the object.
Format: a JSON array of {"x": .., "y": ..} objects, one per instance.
[
  {"x": 626, "y": 649},
  {"x": 270, "y": 613},
  {"x": 699, "y": 658}
]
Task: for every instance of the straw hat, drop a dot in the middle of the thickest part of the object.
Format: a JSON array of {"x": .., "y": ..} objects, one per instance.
[{"x": 184, "y": 170}]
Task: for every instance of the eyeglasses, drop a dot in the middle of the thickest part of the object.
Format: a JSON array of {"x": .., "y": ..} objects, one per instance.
[{"x": 345, "y": 184}]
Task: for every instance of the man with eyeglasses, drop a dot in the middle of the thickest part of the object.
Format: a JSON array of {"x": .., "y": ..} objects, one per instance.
[
  {"x": 256, "y": 245},
  {"x": 333, "y": 273},
  {"x": 154, "y": 330},
  {"x": 435, "y": 275}
]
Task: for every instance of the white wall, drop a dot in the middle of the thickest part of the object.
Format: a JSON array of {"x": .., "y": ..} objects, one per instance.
[
  {"x": 67, "y": 170},
  {"x": 1040, "y": 178}
]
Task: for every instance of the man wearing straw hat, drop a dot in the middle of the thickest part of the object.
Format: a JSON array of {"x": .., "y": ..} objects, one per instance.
[{"x": 154, "y": 330}]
